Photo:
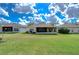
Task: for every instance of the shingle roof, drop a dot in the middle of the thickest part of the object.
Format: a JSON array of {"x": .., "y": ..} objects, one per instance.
[
  {"x": 15, "y": 25},
  {"x": 69, "y": 25},
  {"x": 41, "y": 25}
]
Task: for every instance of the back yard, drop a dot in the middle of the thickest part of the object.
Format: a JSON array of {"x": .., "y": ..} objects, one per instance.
[{"x": 32, "y": 44}]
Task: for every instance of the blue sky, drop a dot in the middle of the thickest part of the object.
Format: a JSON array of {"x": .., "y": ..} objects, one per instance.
[{"x": 24, "y": 13}]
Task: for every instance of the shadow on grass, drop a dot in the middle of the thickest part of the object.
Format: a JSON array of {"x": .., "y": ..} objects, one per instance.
[
  {"x": 2, "y": 41},
  {"x": 25, "y": 33},
  {"x": 8, "y": 32}
]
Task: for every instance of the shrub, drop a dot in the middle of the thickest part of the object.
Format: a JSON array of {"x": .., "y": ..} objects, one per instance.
[
  {"x": 0, "y": 38},
  {"x": 64, "y": 30},
  {"x": 27, "y": 32}
]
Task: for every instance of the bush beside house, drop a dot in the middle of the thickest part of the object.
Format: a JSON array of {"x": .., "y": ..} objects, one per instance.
[{"x": 64, "y": 30}]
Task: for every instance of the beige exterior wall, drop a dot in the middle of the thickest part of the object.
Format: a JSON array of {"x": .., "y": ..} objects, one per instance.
[
  {"x": 44, "y": 25},
  {"x": 74, "y": 30},
  {"x": 0, "y": 29},
  {"x": 33, "y": 26},
  {"x": 22, "y": 30}
]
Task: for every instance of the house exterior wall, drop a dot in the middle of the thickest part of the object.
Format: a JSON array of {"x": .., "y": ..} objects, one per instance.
[
  {"x": 13, "y": 28},
  {"x": 0, "y": 29},
  {"x": 33, "y": 27},
  {"x": 22, "y": 30},
  {"x": 16, "y": 29},
  {"x": 74, "y": 30}
]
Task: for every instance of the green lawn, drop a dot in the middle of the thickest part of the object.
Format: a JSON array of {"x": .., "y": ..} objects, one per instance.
[{"x": 32, "y": 44}]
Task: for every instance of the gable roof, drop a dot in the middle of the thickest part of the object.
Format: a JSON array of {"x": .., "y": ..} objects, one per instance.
[
  {"x": 69, "y": 25},
  {"x": 44, "y": 25},
  {"x": 14, "y": 25},
  {"x": 41, "y": 25}
]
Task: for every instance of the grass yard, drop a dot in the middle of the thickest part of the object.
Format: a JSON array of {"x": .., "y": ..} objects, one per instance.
[{"x": 31, "y": 44}]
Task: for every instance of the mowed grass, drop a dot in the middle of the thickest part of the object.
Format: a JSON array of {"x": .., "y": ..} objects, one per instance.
[{"x": 32, "y": 44}]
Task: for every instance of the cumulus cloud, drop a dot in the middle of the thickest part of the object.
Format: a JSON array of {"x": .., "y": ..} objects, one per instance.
[
  {"x": 23, "y": 8},
  {"x": 54, "y": 12},
  {"x": 68, "y": 10},
  {"x": 3, "y": 12},
  {"x": 37, "y": 18},
  {"x": 4, "y": 21},
  {"x": 23, "y": 21},
  {"x": 59, "y": 20},
  {"x": 56, "y": 7},
  {"x": 73, "y": 12},
  {"x": 61, "y": 6},
  {"x": 52, "y": 19}
]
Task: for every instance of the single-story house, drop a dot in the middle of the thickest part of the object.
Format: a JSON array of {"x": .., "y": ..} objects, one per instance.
[
  {"x": 12, "y": 27},
  {"x": 42, "y": 28},
  {"x": 0, "y": 29},
  {"x": 22, "y": 28},
  {"x": 74, "y": 28},
  {"x": 8, "y": 28}
]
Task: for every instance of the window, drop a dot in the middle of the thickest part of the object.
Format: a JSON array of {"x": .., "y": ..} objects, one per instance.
[
  {"x": 6, "y": 29},
  {"x": 16, "y": 29},
  {"x": 41, "y": 29}
]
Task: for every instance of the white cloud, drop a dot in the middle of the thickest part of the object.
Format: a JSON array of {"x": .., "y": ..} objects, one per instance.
[
  {"x": 47, "y": 15},
  {"x": 78, "y": 20},
  {"x": 23, "y": 8},
  {"x": 28, "y": 7},
  {"x": 20, "y": 19},
  {"x": 59, "y": 20},
  {"x": 34, "y": 11},
  {"x": 52, "y": 19},
  {"x": 73, "y": 11},
  {"x": 24, "y": 4},
  {"x": 3, "y": 12},
  {"x": 71, "y": 5},
  {"x": 38, "y": 19},
  {"x": 53, "y": 7},
  {"x": 23, "y": 17},
  {"x": 4, "y": 21},
  {"x": 47, "y": 22},
  {"x": 70, "y": 10},
  {"x": 13, "y": 9},
  {"x": 23, "y": 21}
]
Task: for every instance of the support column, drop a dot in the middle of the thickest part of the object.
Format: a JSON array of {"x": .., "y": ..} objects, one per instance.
[{"x": 47, "y": 29}]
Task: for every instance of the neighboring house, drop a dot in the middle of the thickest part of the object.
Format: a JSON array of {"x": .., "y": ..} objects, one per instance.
[
  {"x": 0, "y": 29},
  {"x": 42, "y": 28},
  {"x": 22, "y": 28},
  {"x": 74, "y": 28},
  {"x": 12, "y": 27}
]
